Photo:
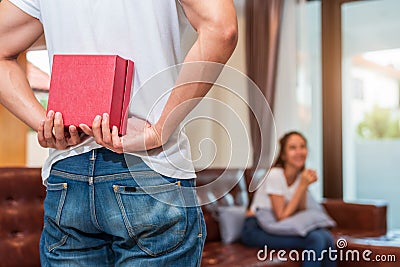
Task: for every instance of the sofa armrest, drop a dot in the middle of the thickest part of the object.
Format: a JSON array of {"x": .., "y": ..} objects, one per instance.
[{"x": 358, "y": 218}]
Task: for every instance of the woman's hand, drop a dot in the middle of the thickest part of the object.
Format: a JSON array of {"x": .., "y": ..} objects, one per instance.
[
  {"x": 140, "y": 135},
  {"x": 51, "y": 133},
  {"x": 308, "y": 177}
]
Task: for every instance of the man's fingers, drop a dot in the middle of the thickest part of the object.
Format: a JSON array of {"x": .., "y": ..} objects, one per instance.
[
  {"x": 58, "y": 127},
  {"x": 86, "y": 129},
  {"x": 59, "y": 134},
  {"x": 48, "y": 129},
  {"x": 96, "y": 129},
  {"x": 48, "y": 125},
  {"x": 74, "y": 136},
  {"x": 116, "y": 140},
  {"x": 105, "y": 129},
  {"x": 40, "y": 135}
]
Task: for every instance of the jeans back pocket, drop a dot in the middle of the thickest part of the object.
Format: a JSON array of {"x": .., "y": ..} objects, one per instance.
[
  {"x": 155, "y": 216},
  {"x": 53, "y": 206}
]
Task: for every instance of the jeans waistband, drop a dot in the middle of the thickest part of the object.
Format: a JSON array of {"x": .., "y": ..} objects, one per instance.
[{"x": 101, "y": 162}]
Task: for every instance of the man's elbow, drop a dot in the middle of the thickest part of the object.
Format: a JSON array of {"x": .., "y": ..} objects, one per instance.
[
  {"x": 226, "y": 37},
  {"x": 230, "y": 37}
]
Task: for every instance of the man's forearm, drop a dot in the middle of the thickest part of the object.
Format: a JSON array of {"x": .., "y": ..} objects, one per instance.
[
  {"x": 16, "y": 94},
  {"x": 18, "y": 31}
]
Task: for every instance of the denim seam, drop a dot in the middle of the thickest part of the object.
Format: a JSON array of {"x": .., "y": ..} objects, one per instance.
[
  {"x": 61, "y": 203},
  {"x": 58, "y": 244},
  {"x": 92, "y": 205},
  {"x": 124, "y": 216},
  {"x": 93, "y": 208}
]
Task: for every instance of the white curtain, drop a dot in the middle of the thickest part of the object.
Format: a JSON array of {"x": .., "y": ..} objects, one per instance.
[{"x": 298, "y": 92}]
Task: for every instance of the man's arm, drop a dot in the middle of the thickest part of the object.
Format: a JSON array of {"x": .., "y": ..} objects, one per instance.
[
  {"x": 18, "y": 31},
  {"x": 216, "y": 25}
]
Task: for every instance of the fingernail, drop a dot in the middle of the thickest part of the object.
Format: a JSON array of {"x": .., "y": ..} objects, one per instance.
[
  {"x": 98, "y": 117},
  {"x": 42, "y": 123},
  {"x": 58, "y": 115},
  {"x": 105, "y": 115},
  {"x": 50, "y": 114}
]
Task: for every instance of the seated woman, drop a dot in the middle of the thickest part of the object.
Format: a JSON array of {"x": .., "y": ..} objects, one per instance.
[{"x": 285, "y": 193}]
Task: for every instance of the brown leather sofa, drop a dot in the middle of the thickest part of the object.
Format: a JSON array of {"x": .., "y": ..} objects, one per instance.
[{"x": 21, "y": 211}]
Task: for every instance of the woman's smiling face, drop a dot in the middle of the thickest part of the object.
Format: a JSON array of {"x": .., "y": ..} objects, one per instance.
[{"x": 295, "y": 152}]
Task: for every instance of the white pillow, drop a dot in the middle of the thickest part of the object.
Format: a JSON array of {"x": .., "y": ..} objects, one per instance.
[
  {"x": 231, "y": 219},
  {"x": 299, "y": 224}
]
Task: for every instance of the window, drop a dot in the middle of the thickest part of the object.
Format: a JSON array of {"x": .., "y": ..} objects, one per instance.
[{"x": 370, "y": 93}]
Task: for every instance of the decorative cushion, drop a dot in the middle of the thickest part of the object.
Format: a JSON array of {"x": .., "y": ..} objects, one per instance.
[
  {"x": 298, "y": 224},
  {"x": 231, "y": 219}
]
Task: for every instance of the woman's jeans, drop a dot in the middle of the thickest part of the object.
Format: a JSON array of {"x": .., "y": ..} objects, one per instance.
[
  {"x": 316, "y": 241},
  {"x": 107, "y": 209}
]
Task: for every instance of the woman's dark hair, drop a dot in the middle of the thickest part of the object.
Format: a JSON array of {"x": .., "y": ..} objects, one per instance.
[{"x": 282, "y": 143}]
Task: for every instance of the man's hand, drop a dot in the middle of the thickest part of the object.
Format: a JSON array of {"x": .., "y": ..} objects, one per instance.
[
  {"x": 51, "y": 133},
  {"x": 140, "y": 135}
]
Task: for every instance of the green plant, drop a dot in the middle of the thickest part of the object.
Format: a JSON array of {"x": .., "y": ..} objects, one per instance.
[{"x": 378, "y": 124}]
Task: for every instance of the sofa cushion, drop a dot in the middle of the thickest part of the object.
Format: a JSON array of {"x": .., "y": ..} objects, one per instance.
[
  {"x": 231, "y": 219},
  {"x": 299, "y": 224}
]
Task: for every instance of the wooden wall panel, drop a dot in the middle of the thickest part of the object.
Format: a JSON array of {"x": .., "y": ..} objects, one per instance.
[
  {"x": 12, "y": 140},
  {"x": 332, "y": 98},
  {"x": 13, "y": 134}
]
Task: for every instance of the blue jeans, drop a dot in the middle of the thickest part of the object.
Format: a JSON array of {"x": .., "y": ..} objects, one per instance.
[
  {"x": 316, "y": 240},
  {"x": 96, "y": 214}
]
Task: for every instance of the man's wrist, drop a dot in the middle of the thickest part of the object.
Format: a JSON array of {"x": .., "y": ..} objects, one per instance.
[{"x": 158, "y": 131}]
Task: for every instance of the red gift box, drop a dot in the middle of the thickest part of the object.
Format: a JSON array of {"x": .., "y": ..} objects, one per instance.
[{"x": 83, "y": 86}]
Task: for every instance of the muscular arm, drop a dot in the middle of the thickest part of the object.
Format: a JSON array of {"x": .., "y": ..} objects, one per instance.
[
  {"x": 18, "y": 31},
  {"x": 216, "y": 25}
]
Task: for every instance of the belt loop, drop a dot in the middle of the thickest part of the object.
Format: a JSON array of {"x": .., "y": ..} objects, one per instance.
[
  {"x": 92, "y": 166},
  {"x": 93, "y": 155}
]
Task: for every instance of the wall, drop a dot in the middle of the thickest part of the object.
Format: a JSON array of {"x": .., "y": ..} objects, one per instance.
[{"x": 12, "y": 140}]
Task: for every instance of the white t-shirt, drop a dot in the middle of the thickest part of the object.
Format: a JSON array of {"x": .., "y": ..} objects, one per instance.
[
  {"x": 145, "y": 31},
  {"x": 274, "y": 184}
]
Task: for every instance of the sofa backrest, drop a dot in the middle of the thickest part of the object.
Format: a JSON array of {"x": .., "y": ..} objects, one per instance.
[
  {"x": 358, "y": 218},
  {"x": 21, "y": 216}
]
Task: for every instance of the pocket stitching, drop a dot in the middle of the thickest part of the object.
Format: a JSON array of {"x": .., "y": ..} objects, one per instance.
[
  {"x": 118, "y": 191},
  {"x": 57, "y": 187},
  {"x": 51, "y": 248}
]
